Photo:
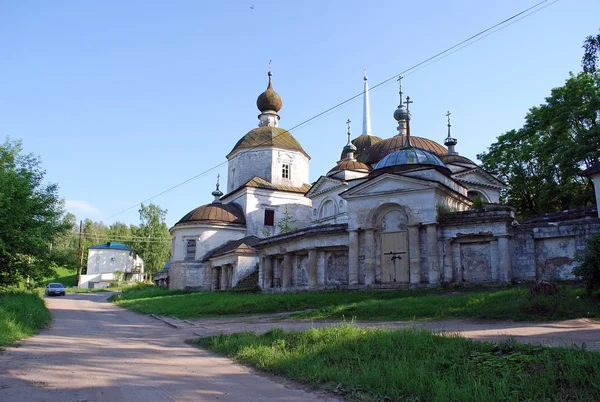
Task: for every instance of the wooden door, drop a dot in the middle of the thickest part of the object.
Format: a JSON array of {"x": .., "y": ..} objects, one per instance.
[{"x": 394, "y": 257}]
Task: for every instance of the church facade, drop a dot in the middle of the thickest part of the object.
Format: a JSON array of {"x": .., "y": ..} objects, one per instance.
[{"x": 397, "y": 212}]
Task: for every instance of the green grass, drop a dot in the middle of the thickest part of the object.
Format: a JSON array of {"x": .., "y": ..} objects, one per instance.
[
  {"x": 411, "y": 365},
  {"x": 499, "y": 303},
  {"x": 65, "y": 276},
  {"x": 22, "y": 314}
]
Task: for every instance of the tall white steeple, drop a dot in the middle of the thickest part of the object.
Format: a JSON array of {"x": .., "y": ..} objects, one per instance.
[{"x": 366, "y": 108}]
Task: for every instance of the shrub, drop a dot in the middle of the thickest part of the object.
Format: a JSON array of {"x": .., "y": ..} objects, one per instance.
[{"x": 589, "y": 269}]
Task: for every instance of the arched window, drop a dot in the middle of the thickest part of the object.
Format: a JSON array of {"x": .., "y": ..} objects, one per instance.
[
  {"x": 473, "y": 194},
  {"x": 327, "y": 209},
  {"x": 190, "y": 251}
]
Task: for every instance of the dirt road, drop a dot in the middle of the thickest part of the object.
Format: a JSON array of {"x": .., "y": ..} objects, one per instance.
[{"x": 95, "y": 351}]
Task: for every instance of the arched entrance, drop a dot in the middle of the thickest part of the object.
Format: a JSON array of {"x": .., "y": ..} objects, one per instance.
[{"x": 395, "y": 266}]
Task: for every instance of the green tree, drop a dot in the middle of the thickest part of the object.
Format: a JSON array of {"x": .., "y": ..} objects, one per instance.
[
  {"x": 153, "y": 240},
  {"x": 31, "y": 216},
  {"x": 287, "y": 222},
  {"x": 591, "y": 47},
  {"x": 541, "y": 161}
]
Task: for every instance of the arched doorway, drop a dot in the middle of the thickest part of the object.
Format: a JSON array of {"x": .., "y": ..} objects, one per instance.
[{"x": 394, "y": 247}]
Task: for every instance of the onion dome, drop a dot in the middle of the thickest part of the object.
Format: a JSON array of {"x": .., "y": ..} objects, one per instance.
[
  {"x": 408, "y": 159},
  {"x": 401, "y": 113},
  {"x": 269, "y": 100},
  {"x": 385, "y": 147},
  {"x": 268, "y": 136},
  {"x": 215, "y": 214},
  {"x": 348, "y": 164},
  {"x": 362, "y": 144}
]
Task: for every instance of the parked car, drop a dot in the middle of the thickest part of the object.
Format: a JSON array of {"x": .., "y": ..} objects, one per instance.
[{"x": 55, "y": 289}]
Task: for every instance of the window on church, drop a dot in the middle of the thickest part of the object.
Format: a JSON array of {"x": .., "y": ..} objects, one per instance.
[
  {"x": 269, "y": 217},
  {"x": 190, "y": 251},
  {"x": 285, "y": 171}
]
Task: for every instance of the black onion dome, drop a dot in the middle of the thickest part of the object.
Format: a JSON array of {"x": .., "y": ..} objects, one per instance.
[
  {"x": 216, "y": 213},
  {"x": 269, "y": 100},
  {"x": 362, "y": 144},
  {"x": 383, "y": 148}
]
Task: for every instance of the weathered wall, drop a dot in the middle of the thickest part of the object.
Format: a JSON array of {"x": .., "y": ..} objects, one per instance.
[
  {"x": 190, "y": 275},
  {"x": 207, "y": 238},
  {"x": 109, "y": 260}
]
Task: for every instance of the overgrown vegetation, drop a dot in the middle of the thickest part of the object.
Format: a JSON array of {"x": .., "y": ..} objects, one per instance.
[
  {"x": 411, "y": 365},
  {"x": 589, "y": 269},
  {"x": 508, "y": 304},
  {"x": 22, "y": 314}
]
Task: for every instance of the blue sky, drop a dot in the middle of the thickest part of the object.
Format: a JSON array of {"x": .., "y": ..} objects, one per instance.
[{"x": 124, "y": 99}]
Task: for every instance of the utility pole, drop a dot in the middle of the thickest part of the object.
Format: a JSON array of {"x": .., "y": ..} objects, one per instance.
[{"x": 79, "y": 253}]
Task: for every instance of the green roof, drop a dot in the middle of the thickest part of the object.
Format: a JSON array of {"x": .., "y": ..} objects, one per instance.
[{"x": 268, "y": 136}]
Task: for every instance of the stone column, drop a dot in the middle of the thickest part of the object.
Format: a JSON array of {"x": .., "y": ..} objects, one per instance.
[
  {"x": 312, "y": 267},
  {"x": 224, "y": 277},
  {"x": 370, "y": 256},
  {"x": 352, "y": 257},
  {"x": 268, "y": 272},
  {"x": 447, "y": 258},
  {"x": 505, "y": 261},
  {"x": 414, "y": 252},
  {"x": 215, "y": 277},
  {"x": 457, "y": 263},
  {"x": 286, "y": 280},
  {"x": 432, "y": 251},
  {"x": 321, "y": 267}
]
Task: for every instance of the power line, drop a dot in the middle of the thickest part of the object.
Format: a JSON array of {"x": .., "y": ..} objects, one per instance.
[{"x": 438, "y": 56}]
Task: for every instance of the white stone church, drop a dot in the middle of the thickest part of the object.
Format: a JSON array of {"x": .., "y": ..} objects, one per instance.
[{"x": 403, "y": 211}]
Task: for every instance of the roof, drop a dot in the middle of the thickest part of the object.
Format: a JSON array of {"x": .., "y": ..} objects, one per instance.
[
  {"x": 451, "y": 159},
  {"x": 362, "y": 144},
  {"x": 246, "y": 244},
  {"x": 409, "y": 159},
  {"x": 353, "y": 165},
  {"x": 379, "y": 150},
  {"x": 259, "y": 182},
  {"x": 216, "y": 213},
  {"x": 268, "y": 136},
  {"x": 112, "y": 245},
  {"x": 594, "y": 169}
]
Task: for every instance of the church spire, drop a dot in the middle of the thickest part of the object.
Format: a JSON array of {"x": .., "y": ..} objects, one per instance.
[
  {"x": 349, "y": 149},
  {"x": 450, "y": 141},
  {"x": 401, "y": 114},
  {"x": 366, "y": 107},
  {"x": 217, "y": 193}
]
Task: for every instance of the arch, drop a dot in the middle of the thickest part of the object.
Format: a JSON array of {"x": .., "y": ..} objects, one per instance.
[
  {"x": 328, "y": 208},
  {"x": 473, "y": 193},
  {"x": 401, "y": 215},
  {"x": 394, "y": 220}
]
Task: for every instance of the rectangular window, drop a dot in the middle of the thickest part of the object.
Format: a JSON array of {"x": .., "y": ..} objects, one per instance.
[
  {"x": 190, "y": 251},
  {"x": 285, "y": 171},
  {"x": 269, "y": 217}
]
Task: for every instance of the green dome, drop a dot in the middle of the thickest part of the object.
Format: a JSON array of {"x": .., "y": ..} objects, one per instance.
[{"x": 268, "y": 136}]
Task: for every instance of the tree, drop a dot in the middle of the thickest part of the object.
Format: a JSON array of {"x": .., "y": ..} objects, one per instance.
[
  {"x": 589, "y": 269},
  {"x": 31, "y": 216},
  {"x": 153, "y": 240},
  {"x": 541, "y": 161},
  {"x": 591, "y": 47},
  {"x": 286, "y": 223}
]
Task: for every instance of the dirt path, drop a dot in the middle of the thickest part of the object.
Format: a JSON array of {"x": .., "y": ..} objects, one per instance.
[{"x": 95, "y": 351}]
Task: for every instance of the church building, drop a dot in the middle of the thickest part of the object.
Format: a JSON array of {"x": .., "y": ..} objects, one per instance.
[{"x": 396, "y": 212}]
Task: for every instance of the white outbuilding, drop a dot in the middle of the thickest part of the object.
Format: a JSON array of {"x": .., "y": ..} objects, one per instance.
[{"x": 107, "y": 261}]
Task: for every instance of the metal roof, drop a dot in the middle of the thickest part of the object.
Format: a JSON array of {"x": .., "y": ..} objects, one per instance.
[{"x": 113, "y": 245}]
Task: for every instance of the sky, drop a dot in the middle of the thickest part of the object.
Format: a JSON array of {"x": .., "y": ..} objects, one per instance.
[{"x": 123, "y": 100}]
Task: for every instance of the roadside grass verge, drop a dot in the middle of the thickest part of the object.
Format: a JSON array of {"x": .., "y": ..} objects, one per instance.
[
  {"x": 22, "y": 314},
  {"x": 491, "y": 303},
  {"x": 379, "y": 365},
  {"x": 63, "y": 275}
]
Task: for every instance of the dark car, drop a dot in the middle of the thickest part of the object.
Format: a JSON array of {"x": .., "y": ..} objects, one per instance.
[{"x": 55, "y": 289}]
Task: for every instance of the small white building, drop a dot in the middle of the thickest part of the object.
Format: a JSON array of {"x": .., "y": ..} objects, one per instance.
[{"x": 105, "y": 259}]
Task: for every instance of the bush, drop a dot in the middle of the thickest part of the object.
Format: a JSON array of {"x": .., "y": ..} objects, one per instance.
[{"x": 589, "y": 269}]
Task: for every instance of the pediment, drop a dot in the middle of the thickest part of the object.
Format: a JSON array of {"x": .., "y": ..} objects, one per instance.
[
  {"x": 388, "y": 183},
  {"x": 478, "y": 176},
  {"x": 324, "y": 185}
]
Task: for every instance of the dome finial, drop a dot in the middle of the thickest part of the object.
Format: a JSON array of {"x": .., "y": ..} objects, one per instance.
[
  {"x": 366, "y": 107},
  {"x": 401, "y": 114},
  {"x": 349, "y": 149},
  {"x": 450, "y": 141},
  {"x": 217, "y": 193},
  {"x": 408, "y": 102}
]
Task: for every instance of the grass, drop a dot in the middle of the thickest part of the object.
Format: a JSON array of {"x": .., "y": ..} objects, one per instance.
[
  {"x": 499, "y": 303},
  {"x": 63, "y": 275},
  {"x": 22, "y": 314},
  {"x": 411, "y": 365}
]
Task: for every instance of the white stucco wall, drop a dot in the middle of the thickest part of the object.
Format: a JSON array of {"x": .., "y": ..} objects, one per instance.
[
  {"x": 266, "y": 163},
  {"x": 108, "y": 260},
  {"x": 255, "y": 201},
  {"x": 207, "y": 238}
]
